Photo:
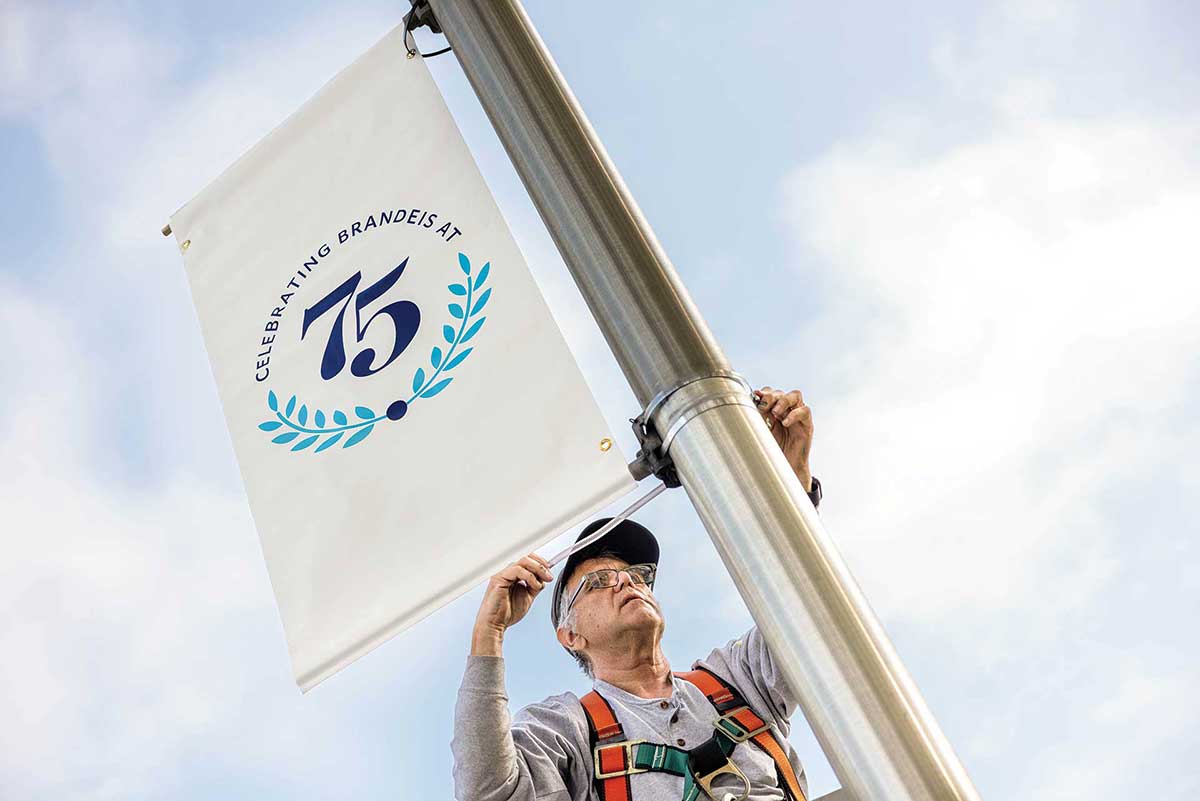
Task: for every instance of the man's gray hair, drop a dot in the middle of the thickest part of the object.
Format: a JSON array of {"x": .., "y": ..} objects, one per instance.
[{"x": 567, "y": 619}]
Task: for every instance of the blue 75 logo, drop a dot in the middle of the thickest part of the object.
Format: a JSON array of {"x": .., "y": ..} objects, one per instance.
[{"x": 406, "y": 319}]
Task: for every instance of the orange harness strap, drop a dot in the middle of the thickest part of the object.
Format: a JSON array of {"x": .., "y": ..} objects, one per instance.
[
  {"x": 729, "y": 703},
  {"x": 602, "y": 729}
]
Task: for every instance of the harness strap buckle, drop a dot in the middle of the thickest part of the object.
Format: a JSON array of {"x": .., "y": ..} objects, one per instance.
[
  {"x": 729, "y": 726},
  {"x": 625, "y": 749},
  {"x": 706, "y": 781}
]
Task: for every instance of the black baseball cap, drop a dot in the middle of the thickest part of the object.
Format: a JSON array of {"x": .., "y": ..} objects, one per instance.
[{"x": 628, "y": 540}]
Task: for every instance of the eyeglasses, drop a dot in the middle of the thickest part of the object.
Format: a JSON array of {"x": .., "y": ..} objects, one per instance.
[{"x": 607, "y": 577}]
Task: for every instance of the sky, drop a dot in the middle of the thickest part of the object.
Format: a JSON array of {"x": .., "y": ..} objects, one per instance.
[{"x": 966, "y": 231}]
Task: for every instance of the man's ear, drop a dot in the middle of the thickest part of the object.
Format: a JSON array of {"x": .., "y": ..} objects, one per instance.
[{"x": 571, "y": 639}]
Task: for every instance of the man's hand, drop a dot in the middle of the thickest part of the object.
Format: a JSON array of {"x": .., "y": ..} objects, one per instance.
[
  {"x": 509, "y": 595},
  {"x": 791, "y": 423}
]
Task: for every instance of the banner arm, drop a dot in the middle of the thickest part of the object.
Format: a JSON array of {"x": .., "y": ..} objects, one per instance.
[{"x": 609, "y": 526}]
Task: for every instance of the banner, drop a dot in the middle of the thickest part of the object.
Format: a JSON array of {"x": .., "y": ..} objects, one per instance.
[{"x": 406, "y": 415}]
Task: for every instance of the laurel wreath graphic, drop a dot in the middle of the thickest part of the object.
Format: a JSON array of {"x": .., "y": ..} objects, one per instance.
[{"x": 331, "y": 430}]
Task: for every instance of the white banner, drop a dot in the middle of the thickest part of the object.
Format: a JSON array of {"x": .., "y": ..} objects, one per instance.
[{"x": 406, "y": 414}]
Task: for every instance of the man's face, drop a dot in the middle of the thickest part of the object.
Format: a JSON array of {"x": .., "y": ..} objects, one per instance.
[{"x": 607, "y": 614}]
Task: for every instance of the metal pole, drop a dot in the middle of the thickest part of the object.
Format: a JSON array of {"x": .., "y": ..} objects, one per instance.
[{"x": 869, "y": 717}]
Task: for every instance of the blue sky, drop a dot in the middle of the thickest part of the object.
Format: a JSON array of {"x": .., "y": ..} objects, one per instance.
[{"x": 965, "y": 231}]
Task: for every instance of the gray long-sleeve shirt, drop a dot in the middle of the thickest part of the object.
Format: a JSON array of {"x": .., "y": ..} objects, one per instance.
[{"x": 542, "y": 754}]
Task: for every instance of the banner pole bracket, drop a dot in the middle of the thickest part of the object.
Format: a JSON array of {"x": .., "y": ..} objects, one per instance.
[
  {"x": 421, "y": 16},
  {"x": 653, "y": 457}
]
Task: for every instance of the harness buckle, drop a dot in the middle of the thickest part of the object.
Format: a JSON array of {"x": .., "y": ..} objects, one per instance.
[
  {"x": 735, "y": 730},
  {"x": 706, "y": 781},
  {"x": 629, "y": 769}
]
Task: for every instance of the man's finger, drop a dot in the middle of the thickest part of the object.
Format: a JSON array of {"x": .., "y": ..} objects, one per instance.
[
  {"x": 537, "y": 567},
  {"x": 782, "y": 404},
  {"x": 800, "y": 414},
  {"x": 533, "y": 582},
  {"x": 766, "y": 396},
  {"x": 512, "y": 572}
]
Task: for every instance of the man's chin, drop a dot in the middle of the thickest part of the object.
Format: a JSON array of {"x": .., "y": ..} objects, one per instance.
[
  {"x": 642, "y": 618},
  {"x": 640, "y": 606}
]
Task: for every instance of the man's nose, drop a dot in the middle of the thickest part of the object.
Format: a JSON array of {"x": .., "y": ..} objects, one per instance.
[{"x": 623, "y": 579}]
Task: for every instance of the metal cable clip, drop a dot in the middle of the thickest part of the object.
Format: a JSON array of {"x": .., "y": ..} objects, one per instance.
[{"x": 706, "y": 781}]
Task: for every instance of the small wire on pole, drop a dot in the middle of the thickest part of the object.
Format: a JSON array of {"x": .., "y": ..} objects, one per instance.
[{"x": 422, "y": 15}]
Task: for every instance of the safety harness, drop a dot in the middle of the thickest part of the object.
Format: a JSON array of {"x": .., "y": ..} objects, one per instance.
[{"x": 615, "y": 759}]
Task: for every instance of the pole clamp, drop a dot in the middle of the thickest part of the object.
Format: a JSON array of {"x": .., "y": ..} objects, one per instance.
[
  {"x": 653, "y": 457},
  {"x": 421, "y": 16}
]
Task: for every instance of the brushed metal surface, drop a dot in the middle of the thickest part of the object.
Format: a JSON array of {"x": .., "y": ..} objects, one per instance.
[
  {"x": 866, "y": 712},
  {"x": 879, "y": 736},
  {"x": 618, "y": 264}
]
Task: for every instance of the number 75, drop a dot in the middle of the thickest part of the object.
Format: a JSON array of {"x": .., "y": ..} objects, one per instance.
[{"x": 406, "y": 319}]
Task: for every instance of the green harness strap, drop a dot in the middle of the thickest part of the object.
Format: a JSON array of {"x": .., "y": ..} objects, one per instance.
[{"x": 669, "y": 759}]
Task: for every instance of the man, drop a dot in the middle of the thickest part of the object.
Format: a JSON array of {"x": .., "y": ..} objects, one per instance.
[{"x": 644, "y": 733}]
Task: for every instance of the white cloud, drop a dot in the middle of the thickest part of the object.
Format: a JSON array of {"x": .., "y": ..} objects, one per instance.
[
  {"x": 1010, "y": 321},
  {"x": 137, "y": 626},
  {"x": 1141, "y": 713},
  {"x": 1023, "y": 316},
  {"x": 86, "y": 79}
]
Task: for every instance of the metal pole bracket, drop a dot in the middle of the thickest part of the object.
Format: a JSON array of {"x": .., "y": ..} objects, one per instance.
[
  {"x": 651, "y": 459},
  {"x": 421, "y": 16}
]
